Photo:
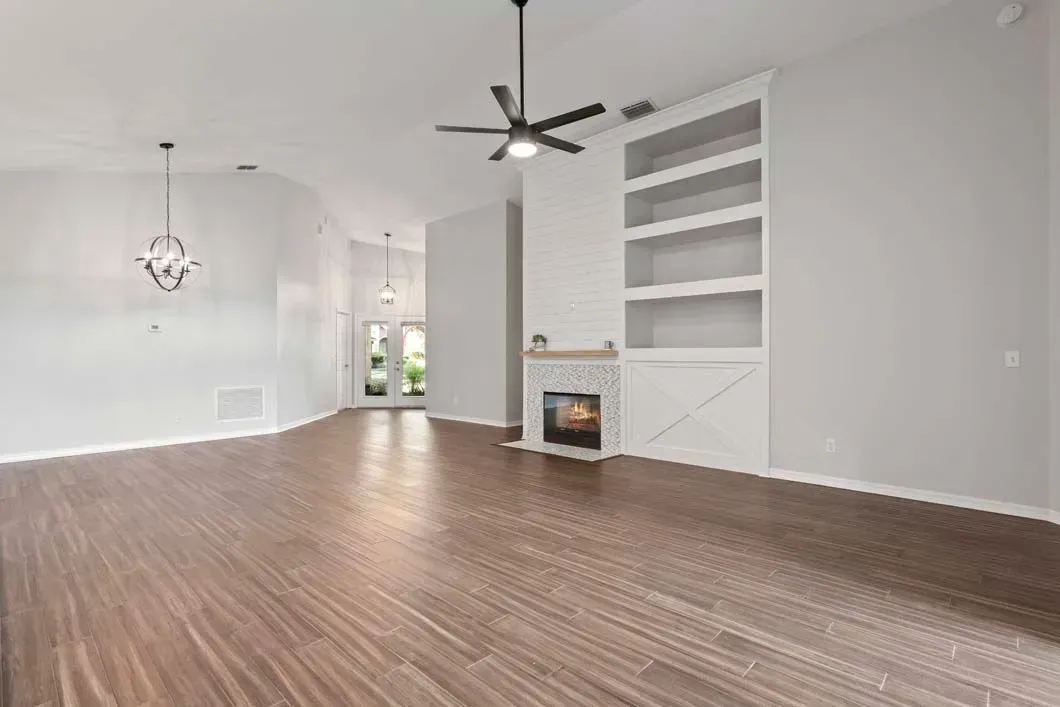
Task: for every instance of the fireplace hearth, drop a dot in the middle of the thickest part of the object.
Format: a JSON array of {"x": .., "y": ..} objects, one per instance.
[{"x": 572, "y": 419}]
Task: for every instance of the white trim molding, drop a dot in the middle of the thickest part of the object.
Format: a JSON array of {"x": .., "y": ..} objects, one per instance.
[
  {"x": 305, "y": 421},
  {"x": 473, "y": 420},
  {"x": 151, "y": 443},
  {"x": 945, "y": 499}
]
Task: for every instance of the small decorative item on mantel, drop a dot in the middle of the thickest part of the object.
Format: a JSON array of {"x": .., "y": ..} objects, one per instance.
[{"x": 538, "y": 342}]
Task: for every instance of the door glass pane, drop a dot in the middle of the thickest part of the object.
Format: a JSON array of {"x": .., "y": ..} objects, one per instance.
[
  {"x": 414, "y": 360},
  {"x": 375, "y": 358}
]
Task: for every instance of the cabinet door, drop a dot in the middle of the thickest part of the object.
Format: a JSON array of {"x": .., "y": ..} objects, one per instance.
[{"x": 707, "y": 414}]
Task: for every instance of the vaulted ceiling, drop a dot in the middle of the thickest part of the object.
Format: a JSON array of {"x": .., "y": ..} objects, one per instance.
[{"x": 342, "y": 94}]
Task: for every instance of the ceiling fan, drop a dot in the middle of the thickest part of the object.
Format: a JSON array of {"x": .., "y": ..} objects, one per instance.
[{"x": 523, "y": 137}]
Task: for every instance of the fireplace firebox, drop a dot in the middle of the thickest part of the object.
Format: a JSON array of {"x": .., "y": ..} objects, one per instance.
[{"x": 572, "y": 419}]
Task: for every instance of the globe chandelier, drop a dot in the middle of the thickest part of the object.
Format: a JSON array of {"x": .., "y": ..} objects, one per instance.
[{"x": 165, "y": 260}]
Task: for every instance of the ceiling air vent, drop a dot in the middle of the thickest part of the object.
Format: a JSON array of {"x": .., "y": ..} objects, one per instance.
[
  {"x": 247, "y": 167},
  {"x": 638, "y": 109},
  {"x": 240, "y": 404}
]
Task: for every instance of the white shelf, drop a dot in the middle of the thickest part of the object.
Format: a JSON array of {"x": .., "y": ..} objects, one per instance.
[
  {"x": 691, "y": 223},
  {"x": 694, "y": 169},
  {"x": 722, "y": 355},
  {"x": 746, "y": 283},
  {"x": 738, "y": 126}
]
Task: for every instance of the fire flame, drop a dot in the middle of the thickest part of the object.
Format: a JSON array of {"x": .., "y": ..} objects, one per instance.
[{"x": 581, "y": 415}]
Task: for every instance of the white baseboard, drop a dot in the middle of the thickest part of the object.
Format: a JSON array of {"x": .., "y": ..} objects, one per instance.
[
  {"x": 474, "y": 420},
  {"x": 305, "y": 421},
  {"x": 150, "y": 443},
  {"x": 946, "y": 499}
]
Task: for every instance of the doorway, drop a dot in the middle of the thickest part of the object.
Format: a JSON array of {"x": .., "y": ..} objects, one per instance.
[
  {"x": 342, "y": 360},
  {"x": 391, "y": 368}
]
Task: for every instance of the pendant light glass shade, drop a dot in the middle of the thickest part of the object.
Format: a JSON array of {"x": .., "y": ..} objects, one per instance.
[
  {"x": 165, "y": 261},
  {"x": 387, "y": 294}
]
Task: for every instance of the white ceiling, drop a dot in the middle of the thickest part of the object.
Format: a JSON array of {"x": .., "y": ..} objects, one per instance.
[{"x": 342, "y": 94}]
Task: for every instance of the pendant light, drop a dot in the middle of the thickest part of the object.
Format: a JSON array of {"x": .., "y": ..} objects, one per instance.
[
  {"x": 165, "y": 261},
  {"x": 386, "y": 292}
]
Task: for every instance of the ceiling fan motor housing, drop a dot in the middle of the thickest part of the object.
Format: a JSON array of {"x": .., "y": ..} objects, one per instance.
[{"x": 521, "y": 132}]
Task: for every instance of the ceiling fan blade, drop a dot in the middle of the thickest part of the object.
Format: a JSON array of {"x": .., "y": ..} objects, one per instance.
[
  {"x": 558, "y": 144},
  {"x": 568, "y": 118},
  {"x": 464, "y": 129},
  {"x": 501, "y": 152},
  {"x": 504, "y": 96}
]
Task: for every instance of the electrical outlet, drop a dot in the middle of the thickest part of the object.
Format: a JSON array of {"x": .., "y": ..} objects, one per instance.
[
  {"x": 1012, "y": 359},
  {"x": 154, "y": 328},
  {"x": 829, "y": 445}
]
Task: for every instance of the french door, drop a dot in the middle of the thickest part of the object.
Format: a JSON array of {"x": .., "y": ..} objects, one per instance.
[{"x": 391, "y": 366}]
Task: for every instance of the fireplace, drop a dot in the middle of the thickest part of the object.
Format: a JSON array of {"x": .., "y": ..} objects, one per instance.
[{"x": 572, "y": 419}]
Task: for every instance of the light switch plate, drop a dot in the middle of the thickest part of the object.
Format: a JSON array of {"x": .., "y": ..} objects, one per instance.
[{"x": 1012, "y": 359}]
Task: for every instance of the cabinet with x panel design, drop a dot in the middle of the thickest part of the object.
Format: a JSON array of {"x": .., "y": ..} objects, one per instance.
[{"x": 696, "y": 260}]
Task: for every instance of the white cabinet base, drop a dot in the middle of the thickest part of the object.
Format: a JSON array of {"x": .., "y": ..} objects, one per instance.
[{"x": 708, "y": 414}]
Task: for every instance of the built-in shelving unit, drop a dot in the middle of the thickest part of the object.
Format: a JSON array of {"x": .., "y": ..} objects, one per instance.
[
  {"x": 696, "y": 290},
  {"x": 694, "y": 214}
]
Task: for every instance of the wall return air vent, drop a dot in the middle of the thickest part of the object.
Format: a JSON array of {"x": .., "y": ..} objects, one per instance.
[
  {"x": 638, "y": 109},
  {"x": 240, "y": 404}
]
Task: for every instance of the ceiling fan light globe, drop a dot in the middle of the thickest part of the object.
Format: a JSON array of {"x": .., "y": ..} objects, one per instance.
[{"x": 522, "y": 148}]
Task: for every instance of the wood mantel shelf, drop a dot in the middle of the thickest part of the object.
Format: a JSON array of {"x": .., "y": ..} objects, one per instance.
[{"x": 584, "y": 353}]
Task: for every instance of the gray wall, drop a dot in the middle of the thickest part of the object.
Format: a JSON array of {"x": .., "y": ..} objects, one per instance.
[
  {"x": 368, "y": 271},
  {"x": 909, "y": 251},
  {"x": 312, "y": 282},
  {"x": 78, "y": 367},
  {"x": 514, "y": 324},
  {"x": 474, "y": 265},
  {"x": 1054, "y": 241}
]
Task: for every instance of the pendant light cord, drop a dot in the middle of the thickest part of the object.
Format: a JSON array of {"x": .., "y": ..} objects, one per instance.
[{"x": 387, "y": 259}]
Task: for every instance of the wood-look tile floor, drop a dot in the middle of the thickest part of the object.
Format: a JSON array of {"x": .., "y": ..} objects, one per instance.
[{"x": 378, "y": 558}]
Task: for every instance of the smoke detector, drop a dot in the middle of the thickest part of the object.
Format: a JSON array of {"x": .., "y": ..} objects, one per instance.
[{"x": 1010, "y": 14}]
